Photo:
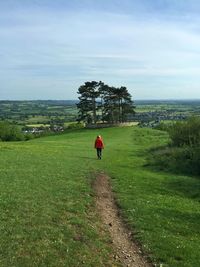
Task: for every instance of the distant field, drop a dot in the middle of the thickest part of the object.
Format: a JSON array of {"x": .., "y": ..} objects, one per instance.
[
  {"x": 190, "y": 107},
  {"x": 38, "y": 112},
  {"x": 48, "y": 215},
  {"x": 62, "y": 112},
  {"x": 38, "y": 125}
]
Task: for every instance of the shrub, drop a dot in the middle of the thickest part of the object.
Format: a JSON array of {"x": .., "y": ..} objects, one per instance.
[
  {"x": 10, "y": 132},
  {"x": 162, "y": 126},
  {"x": 76, "y": 125},
  {"x": 177, "y": 159},
  {"x": 28, "y": 136},
  {"x": 185, "y": 133}
]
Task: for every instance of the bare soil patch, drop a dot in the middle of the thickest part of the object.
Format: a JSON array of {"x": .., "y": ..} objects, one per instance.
[{"x": 127, "y": 252}]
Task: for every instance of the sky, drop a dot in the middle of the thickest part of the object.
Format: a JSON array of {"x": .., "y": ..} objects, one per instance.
[{"x": 48, "y": 48}]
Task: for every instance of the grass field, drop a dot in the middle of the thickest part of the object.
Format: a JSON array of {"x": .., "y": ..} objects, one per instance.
[{"x": 48, "y": 215}]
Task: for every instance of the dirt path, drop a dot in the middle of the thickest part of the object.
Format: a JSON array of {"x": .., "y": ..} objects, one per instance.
[{"x": 126, "y": 251}]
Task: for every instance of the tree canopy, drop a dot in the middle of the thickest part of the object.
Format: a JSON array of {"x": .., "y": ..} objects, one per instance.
[{"x": 99, "y": 102}]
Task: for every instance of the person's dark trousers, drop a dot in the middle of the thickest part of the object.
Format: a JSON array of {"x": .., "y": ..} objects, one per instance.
[{"x": 99, "y": 153}]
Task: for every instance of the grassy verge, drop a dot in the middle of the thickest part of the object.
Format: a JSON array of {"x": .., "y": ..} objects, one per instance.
[{"x": 47, "y": 206}]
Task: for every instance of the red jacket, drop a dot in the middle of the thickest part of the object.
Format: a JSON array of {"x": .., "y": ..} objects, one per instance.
[{"x": 99, "y": 143}]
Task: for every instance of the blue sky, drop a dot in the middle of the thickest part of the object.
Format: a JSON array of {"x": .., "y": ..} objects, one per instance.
[{"x": 49, "y": 48}]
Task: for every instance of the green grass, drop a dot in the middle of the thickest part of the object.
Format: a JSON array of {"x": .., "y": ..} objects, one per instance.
[
  {"x": 47, "y": 213},
  {"x": 48, "y": 216},
  {"x": 162, "y": 209}
]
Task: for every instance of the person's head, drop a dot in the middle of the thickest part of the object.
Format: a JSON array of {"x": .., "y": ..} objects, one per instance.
[{"x": 99, "y": 136}]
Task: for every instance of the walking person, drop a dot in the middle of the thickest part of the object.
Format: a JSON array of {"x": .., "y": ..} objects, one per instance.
[{"x": 99, "y": 146}]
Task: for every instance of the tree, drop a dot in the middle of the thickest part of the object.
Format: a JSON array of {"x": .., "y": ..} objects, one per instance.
[
  {"x": 106, "y": 103},
  {"x": 89, "y": 92},
  {"x": 113, "y": 104},
  {"x": 117, "y": 104},
  {"x": 126, "y": 104}
]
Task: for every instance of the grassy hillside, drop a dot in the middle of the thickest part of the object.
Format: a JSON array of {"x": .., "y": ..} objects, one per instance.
[{"x": 48, "y": 216}]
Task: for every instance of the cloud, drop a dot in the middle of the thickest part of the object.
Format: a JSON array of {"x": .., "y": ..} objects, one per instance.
[{"x": 42, "y": 47}]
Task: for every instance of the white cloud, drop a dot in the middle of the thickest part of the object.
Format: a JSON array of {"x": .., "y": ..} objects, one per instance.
[{"x": 61, "y": 49}]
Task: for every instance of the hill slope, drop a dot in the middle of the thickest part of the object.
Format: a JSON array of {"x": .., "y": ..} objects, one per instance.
[{"x": 47, "y": 204}]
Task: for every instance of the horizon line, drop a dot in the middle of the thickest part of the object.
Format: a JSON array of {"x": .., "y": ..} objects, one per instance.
[{"x": 139, "y": 99}]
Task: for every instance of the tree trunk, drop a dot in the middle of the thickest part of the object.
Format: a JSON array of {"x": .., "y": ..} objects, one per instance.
[{"x": 94, "y": 110}]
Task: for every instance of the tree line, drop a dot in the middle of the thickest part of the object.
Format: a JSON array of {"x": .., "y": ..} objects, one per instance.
[{"x": 99, "y": 102}]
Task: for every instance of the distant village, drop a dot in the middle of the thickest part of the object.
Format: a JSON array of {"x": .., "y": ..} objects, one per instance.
[
  {"x": 42, "y": 129},
  {"x": 145, "y": 119},
  {"x": 154, "y": 118}
]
